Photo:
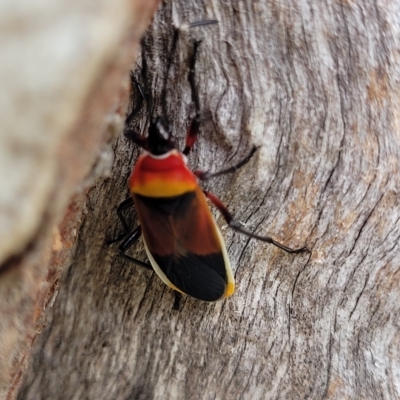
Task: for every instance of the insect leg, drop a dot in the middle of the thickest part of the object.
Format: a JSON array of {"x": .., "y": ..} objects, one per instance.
[
  {"x": 130, "y": 133},
  {"x": 177, "y": 300},
  {"x": 128, "y": 203},
  {"x": 131, "y": 239},
  {"x": 135, "y": 111},
  {"x": 205, "y": 175},
  {"x": 171, "y": 53},
  {"x": 193, "y": 131},
  {"x": 236, "y": 226}
]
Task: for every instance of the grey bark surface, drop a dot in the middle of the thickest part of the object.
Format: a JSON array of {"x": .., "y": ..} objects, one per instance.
[{"x": 316, "y": 86}]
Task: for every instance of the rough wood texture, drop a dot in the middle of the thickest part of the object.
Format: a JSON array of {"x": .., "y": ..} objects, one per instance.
[{"x": 316, "y": 86}]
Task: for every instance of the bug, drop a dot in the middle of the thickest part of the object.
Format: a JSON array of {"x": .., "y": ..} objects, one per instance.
[{"x": 182, "y": 240}]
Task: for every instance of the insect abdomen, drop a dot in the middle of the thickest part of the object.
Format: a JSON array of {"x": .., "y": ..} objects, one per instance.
[{"x": 184, "y": 244}]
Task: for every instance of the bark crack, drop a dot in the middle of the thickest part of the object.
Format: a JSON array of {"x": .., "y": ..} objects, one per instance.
[
  {"x": 367, "y": 218},
  {"x": 328, "y": 367},
  {"x": 359, "y": 296}
]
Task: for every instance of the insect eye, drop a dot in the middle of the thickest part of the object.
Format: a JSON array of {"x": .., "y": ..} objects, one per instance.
[
  {"x": 162, "y": 129},
  {"x": 160, "y": 138}
]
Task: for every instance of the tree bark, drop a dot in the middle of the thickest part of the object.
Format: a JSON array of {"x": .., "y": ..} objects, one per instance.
[{"x": 315, "y": 85}]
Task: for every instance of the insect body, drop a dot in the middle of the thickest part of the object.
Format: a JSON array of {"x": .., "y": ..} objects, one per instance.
[{"x": 182, "y": 241}]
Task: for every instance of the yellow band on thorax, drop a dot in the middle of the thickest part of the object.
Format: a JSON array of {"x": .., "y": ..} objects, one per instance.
[{"x": 159, "y": 187}]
